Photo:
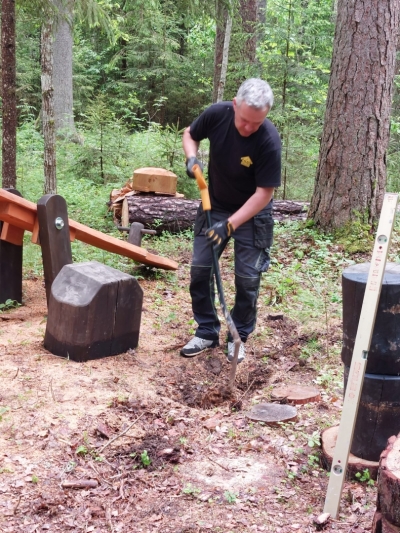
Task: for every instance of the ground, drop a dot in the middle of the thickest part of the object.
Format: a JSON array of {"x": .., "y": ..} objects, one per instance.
[{"x": 159, "y": 443}]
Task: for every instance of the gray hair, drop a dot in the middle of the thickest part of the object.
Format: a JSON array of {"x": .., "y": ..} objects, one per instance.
[{"x": 255, "y": 93}]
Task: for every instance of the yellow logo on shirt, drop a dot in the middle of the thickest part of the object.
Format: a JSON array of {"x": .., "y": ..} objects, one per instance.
[{"x": 246, "y": 161}]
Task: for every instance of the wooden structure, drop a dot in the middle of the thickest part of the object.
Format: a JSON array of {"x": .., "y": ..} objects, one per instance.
[
  {"x": 387, "y": 516},
  {"x": 54, "y": 237},
  {"x": 379, "y": 409},
  {"x": 20, "y": 214},
  {"x": 152, "y": 179},
  {"x": 94, "y": 312},
  {"x": 10, "y": 260}
]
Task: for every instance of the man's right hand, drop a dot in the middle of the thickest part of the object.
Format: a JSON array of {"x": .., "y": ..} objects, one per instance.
[{"x": 190, "y": 162}]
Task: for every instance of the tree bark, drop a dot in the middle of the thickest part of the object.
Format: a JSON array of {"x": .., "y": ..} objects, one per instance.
[
  {"x": 351, "y": 174},
  {"x": 225, "y": 55},
  {"x": 249, "y": 12},
  {"x": 62, "y": 68},
  {"x": 177, "y": 214},
  {"x": 9, "y": 99},
  {"x": 221, "y": 20},
  {"x": 49, "y": 132}
]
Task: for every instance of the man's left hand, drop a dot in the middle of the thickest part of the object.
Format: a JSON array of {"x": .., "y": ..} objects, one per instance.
[{"x": 219, "y": 232}]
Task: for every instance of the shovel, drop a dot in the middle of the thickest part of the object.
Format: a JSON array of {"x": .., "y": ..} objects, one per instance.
[{"x": 205, "y": 201}]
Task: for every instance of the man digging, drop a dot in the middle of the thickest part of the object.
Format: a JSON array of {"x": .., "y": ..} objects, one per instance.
[{"x": 244, "y": 168}]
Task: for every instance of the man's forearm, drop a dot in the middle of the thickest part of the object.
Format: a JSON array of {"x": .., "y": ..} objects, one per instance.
[
  {"x": 254, "y": 205},
  {"x": 190, "y": 147}
]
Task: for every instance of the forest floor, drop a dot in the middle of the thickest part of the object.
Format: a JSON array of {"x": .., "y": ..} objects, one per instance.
[{"x": 161, "y": 453}]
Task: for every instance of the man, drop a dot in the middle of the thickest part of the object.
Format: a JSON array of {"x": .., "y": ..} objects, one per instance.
[{"x": 244, "y": 168}]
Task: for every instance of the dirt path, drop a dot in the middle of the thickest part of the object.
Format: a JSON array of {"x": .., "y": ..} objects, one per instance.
[{"x": 182, "y": 462}]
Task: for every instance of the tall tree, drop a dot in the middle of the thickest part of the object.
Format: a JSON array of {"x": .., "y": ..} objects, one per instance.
[
  {"x": 62, "y": 67},
  {"x": 351, "y": 174},
  {"x": 9, "y": 100},
  {"x": 48, "y": 117},
  {"x": 222, "y": 36}
]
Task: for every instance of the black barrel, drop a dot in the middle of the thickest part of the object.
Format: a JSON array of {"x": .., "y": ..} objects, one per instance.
[
  {"x": 378, "y": 416},
  {"x": 384, "y": 353}
]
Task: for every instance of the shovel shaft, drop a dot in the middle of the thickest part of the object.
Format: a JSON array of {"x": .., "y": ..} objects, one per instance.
[{"x": 206, "y": 204}]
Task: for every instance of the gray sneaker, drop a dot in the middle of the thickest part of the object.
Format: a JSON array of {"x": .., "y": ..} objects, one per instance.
[
  {"x": 231, "y": 352},
  {"x": 196, "y": 346}
]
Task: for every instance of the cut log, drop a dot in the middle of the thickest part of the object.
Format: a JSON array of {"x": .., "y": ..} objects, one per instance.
[
  {"x": 355, "y": 464},
  {"x": 272, "y": 413},
  {"x": 380, "y": 525},
  {"x": 153, "y": 179},
  {"x": 178, "y": 214},
  {"x": 297, "y": 394},
  {"x": 389, "y": 483}
]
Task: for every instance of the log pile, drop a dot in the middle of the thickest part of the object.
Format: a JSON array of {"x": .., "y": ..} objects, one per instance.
[{"x": 387, "y": 516}]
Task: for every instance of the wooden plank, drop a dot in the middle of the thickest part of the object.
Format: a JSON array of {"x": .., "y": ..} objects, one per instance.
[
  {"x": 22, "y": 214},
  {"x": 12, "y": 234}
]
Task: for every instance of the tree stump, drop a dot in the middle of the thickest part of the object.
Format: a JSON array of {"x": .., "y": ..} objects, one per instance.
[
  {"x": 94, "y": 312},
  {"x": 355, "y": 464},
  {"x": 387, "y": 517},
  {"x": 296, "y": 394},
  {"x": 384, "y": 352}
]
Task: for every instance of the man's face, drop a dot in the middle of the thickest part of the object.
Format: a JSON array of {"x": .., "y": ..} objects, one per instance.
[{"x": 248, "y": 119}]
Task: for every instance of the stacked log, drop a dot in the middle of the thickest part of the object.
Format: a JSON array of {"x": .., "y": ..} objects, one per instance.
[{"x": 387, "y": 516}]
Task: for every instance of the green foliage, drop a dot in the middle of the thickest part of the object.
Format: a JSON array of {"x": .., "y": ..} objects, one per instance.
[
  {"x": 365, "y": 477},
  {"x": 355, "y": 236},
  {"x": 9, "y": 304},
  {"x": 144, "y": 457},
  {"x": 190, "y": 490}
]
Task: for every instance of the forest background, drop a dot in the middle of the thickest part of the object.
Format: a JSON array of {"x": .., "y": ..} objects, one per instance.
[{"x": 142, "y": 71}]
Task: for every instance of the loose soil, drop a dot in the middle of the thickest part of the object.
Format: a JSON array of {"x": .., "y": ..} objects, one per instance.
[{"x": 169, "y": 448}]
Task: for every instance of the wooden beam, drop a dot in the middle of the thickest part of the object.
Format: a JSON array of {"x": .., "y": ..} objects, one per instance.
[{"x": 22, "y": 214}]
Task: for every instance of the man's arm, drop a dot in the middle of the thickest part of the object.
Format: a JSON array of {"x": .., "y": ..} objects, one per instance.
[
  {"x": 254, "y": 204},
  {"x": 190, "y": 147}
]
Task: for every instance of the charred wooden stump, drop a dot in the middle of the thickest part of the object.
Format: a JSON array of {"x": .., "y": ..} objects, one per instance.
[
  {"x": 378, "y": 414},
  {"x": 384, "y": 352},
  {"x": 387, "y": 516},
  {"x": 379, "y": 410},
  {"x": 94, "y": 312},
  {"x": 10, "y": 262}
]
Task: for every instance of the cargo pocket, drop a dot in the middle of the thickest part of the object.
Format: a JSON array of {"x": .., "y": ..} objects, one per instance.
[
  {"x": 263, "y": 230},
  {"x": 200, "y": 221}
]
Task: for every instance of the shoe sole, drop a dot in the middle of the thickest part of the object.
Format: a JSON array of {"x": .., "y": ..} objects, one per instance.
[{"x": 188, "y": 355}]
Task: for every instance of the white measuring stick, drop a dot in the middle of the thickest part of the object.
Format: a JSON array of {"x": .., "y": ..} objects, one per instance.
[{"x": 360, "y": 354}]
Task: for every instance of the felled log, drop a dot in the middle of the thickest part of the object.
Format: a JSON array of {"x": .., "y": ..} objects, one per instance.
[
  {"x": 178, "y": 214},
  {"x": 387, "y": 519}
]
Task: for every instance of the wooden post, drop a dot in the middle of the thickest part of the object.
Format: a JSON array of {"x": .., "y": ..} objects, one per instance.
[
  {"x": 10, "y": 264},
  {"x": 54, "y": 237}
]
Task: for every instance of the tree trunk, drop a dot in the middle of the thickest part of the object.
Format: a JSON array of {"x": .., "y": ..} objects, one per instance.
[
  {"x": 62, "y": 69},
  {"x": 9, "y": 99},
  {"x": 351, "y": 174},
  {"x": 49, "y": 132},
  {"x": 177, "y": 214},
  {"x": 221, "y": 20},
  {"x": 248, "y": 12},
  {"x": 225, "y": 54}
]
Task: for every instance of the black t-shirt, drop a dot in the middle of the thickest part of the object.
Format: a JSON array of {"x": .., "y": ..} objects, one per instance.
[{"x": 237, "y": 165}]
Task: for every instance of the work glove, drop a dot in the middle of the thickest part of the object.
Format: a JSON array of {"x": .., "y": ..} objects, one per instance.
[
  {"x": 219, "y": 232},
  {"x": 190, "y": 162}
]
